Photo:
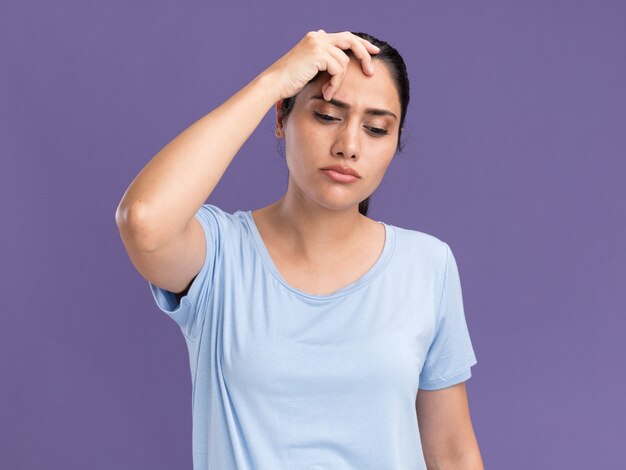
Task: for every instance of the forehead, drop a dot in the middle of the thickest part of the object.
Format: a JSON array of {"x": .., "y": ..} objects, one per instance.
[{"x": 361, "y": 91}]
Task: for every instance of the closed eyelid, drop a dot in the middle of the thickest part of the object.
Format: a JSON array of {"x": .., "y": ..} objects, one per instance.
[
  {"x": 325, "y": 115},
  {"x": 383, "y": 125},
  {"x": 342, "y": 105},
  {"x": 329, "y": 118}
]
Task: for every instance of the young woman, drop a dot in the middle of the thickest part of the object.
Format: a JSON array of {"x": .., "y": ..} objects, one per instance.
[{"x": 310, "y": 326}]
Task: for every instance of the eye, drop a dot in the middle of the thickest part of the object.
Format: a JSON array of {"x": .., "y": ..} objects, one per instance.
[
  {"x": 374, "y": 130},
  {"x": 378, "y": 131},
  {"x": 325, "y": 117}
]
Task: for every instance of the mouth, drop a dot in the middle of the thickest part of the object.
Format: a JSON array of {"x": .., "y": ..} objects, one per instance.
[
  {"x": 339, "y": 177},
  {"x": 344, "y": 170}
]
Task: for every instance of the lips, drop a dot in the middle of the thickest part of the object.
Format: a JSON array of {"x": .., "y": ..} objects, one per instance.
[{"x": 346, "y": 170}]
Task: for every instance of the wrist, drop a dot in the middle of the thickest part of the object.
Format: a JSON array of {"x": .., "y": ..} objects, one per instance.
[{"x": 268, "y": 83}]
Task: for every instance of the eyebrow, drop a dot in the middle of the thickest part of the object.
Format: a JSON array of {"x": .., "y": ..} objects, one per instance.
[{"x": 341, "y": 104}]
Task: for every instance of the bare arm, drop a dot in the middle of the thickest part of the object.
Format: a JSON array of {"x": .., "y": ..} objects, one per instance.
[
  {"x": 155, "y": 217},
  {"x": 164, "y": 197},
  {"x": 446, "y": 430},
  {"x": 162, "y": 200}
]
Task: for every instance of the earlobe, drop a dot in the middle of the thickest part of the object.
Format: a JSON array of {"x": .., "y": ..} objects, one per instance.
[{"x": 279, "y": 120}]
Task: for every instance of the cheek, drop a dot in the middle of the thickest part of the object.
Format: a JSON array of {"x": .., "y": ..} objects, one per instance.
[
  {"x": 299, "y": 157},
  {"x": 378, "y": 171},
  {"x": 305, "y": 147},
  {"x": 310, "y": 139}
]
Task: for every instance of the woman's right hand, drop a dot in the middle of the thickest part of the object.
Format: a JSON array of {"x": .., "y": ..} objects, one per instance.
[{"x": 320, "y": 51}]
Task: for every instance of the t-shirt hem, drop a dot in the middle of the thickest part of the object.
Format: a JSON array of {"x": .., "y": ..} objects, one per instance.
[{"x": 455, "y": 379}]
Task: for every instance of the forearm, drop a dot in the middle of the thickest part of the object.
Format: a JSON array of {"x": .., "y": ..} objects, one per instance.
[
  {"x": 169, "y": 190},
  {"x": 470, "y": 460}
]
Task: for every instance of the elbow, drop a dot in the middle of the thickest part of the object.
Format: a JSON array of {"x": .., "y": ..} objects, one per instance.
[
  {"x": 135, "y": 227},
  {"x": 130, "y": 215}
]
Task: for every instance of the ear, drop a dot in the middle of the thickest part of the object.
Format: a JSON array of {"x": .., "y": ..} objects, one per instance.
[{"x": 279, "y": 132}]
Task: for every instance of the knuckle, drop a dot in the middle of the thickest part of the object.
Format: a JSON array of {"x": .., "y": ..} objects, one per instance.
[{"x": 313, "y": 36}]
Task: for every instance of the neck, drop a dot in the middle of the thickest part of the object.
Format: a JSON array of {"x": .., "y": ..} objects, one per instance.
[{"x": 315, "y": 234}]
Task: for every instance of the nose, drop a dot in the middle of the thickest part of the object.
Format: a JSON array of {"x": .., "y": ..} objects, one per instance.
[{"x": 347, "y": 144}]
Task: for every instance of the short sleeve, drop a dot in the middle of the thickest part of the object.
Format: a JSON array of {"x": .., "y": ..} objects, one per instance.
[
  {"x": 450, "y": 356},
  {"x": 190, "y": 311}
]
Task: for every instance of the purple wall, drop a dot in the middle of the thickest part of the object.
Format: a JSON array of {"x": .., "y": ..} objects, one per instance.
[{"x": 515, "y": 156}]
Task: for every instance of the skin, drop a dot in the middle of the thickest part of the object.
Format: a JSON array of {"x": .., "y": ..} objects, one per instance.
[
  {"x": 447, "y": 434},
  {"x": 318, "y": 219}
]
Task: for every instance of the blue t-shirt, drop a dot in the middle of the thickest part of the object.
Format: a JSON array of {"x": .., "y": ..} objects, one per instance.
[{"x": 283, "y": 379}]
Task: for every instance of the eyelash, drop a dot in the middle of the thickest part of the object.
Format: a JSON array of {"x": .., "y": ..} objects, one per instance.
[{"x": 374, "y": 130}]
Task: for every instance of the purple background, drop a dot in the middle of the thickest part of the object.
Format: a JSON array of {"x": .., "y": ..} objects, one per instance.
[{"x": 515, "y": 156}]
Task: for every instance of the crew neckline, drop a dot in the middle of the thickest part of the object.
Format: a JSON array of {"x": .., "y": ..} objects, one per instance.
[{"x": 368, "y": 276}]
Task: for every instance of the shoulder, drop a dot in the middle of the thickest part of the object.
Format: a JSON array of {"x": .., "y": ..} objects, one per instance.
[
  {"x": 220, "y": 225},
  {"x": 211, "y": 210},
  {"x": 218, "y": 218},
  {"x": 417, "y": 245}
]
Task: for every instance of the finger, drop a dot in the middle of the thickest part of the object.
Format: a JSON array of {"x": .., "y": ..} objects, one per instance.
[
  {"x": 372, "y": 48},
  {"x": 367, "y": 64},
  {"x": 369, "y": 46},
  {"x": 353, "y": 42},
  {"x": 335, "y": 69},
  {"x": 336, "y": 80}
]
